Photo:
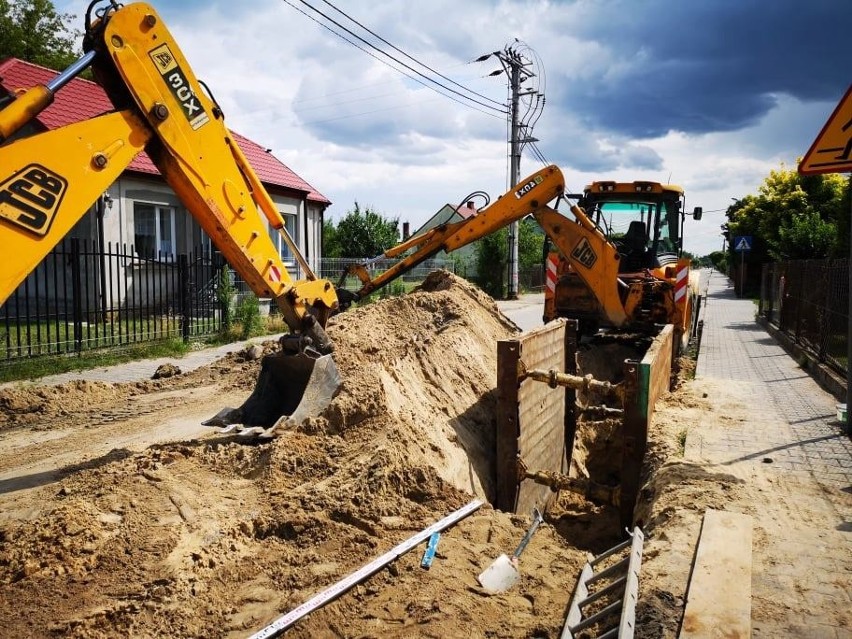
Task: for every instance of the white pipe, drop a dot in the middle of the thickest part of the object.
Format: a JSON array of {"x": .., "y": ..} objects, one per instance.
[{"x": 337, "y": 589}]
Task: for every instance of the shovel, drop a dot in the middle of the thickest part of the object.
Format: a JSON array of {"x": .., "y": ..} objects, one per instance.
[{"x": 503, "y": 573}]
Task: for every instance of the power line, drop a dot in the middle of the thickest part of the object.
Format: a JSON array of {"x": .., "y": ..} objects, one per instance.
[
  {"x": 397, "y": 49},
  {"x": 352, "y": 101},
  {"x": 538, "y": 154},
  {"x": 344, "y": 38}
]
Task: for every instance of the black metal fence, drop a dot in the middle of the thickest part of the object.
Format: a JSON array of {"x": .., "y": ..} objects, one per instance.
[
  {"x": 81, "y": 298},
  {"x": 808, "y": 300}
]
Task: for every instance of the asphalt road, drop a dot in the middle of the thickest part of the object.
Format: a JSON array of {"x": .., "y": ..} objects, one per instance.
[{"x": 525, "y": 311}]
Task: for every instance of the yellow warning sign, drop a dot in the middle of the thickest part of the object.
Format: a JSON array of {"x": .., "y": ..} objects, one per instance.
[{"x": 831, "y": 152}]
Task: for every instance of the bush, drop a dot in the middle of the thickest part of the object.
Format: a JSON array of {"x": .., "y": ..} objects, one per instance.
[
  {"x": 226, "y": 296},
  {"x": 247, "y": 314},
  {"x": 394, "y": 289}
]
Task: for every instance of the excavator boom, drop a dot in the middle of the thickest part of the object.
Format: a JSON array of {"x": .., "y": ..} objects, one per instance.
[
  {"x": 142, "y": 68},
  {"x": 579, "y": 240},
  {"x": 523, "y": 199},
  {"x": 49, "y": 180}
]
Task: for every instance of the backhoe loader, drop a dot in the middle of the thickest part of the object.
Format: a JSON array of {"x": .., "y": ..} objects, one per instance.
[
  {"x": 50, "y": 179},
  {"x": 636, "y": 229},
  {"x": 604, "y": 277}
]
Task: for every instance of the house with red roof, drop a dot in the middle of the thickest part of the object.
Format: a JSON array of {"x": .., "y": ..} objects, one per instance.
[{"x": 140, "y": 209}]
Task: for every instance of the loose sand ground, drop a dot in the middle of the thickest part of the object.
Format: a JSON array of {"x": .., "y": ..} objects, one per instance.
[{"x": 121, "y": 516}]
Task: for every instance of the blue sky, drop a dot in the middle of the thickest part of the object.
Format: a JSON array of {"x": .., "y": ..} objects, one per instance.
[{"x": 707, "y": 94}]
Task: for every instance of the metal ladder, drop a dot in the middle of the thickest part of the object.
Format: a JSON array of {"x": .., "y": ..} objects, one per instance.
[{"x": 616, "y": 588}]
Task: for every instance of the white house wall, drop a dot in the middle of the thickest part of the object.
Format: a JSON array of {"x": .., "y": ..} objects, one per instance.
[{"x": 313, "y": 239}]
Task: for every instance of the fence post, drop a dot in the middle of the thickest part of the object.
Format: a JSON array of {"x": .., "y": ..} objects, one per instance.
[
  {"x": 183, "y": 284},
  {"x": 76, "y": 295},
  {"x": 824, "y": 318}
]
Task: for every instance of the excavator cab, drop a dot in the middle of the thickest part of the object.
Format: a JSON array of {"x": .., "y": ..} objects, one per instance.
[
  {"x": 642, "y": 222},
  {"x": 642, "y": 219}
]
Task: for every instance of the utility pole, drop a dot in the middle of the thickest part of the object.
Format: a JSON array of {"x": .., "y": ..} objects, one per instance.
[
  {"x": 514, "y": 176},
  {"x": 518, "y": 70}
]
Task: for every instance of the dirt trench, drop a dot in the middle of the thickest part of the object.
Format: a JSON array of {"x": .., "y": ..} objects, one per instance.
[{"x": 113, "y": 525}]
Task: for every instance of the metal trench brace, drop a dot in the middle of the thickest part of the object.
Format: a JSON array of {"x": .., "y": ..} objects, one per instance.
[
  {"x": 560, "y": 481},
  {"x": 587, "y": 383}
]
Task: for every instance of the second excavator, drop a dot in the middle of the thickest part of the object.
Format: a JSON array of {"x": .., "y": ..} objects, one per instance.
[{"x": 617, "y": 260}]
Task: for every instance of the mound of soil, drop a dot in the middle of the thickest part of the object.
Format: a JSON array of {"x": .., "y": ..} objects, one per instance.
[
  {"x": 217, "y": 536},
  {"x": 120, "y": 516}
]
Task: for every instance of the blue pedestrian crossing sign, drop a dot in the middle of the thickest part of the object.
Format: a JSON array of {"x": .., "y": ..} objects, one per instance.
[{"x": 742, "y": 243}]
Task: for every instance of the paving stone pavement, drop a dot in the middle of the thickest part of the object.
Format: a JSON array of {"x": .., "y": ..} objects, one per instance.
[
  {"x": 807, "y": 439},
  {"x": 801, "y": 573}
]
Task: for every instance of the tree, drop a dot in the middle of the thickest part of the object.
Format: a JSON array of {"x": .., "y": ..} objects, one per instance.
[
  {"x": 330, "y": 240},
  {"x": 719, "y": 260},
  {"x": 492, "y": 258},
  {"x": 360, "y": 234},
  {"x": 791, "y": 217},
  {"x": 492, "y": 255},
  {"x": 32, "y": 30},
  {"x": 530, "y": 243}
]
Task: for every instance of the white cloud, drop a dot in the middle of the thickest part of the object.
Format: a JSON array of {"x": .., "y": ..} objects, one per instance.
[{"x": 357, "y": 130}]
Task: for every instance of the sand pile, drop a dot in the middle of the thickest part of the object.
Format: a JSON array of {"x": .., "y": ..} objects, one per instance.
[{"x": 216, "y": 537}]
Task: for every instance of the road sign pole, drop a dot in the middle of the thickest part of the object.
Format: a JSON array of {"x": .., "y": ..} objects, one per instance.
[
  {"x": 849, "y": 333},
  {"x": 742, "y": 272}
]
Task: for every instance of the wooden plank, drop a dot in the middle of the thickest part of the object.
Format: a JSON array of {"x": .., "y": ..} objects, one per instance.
[
  {"x": 541, "y": 413},
  {"x": 530, "y": 417},
  {"x": 658, "y": 359},
  {"x": 718, "y": 602},
  {"x": 645, "y": 382}
]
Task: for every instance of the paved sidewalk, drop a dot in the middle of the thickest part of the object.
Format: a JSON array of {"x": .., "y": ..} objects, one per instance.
[
  {"x": 808, "y": 441},
  {"x": 790, "y": 450}
]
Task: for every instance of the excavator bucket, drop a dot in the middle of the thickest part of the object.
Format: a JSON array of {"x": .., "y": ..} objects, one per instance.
[{"x": 290, "y": 389}]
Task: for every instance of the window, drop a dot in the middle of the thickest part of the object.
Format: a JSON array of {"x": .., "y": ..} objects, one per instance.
[
  {"x": 153, "y": 231},
  {"x": 292, "y": 229},
  {"x": 665, "y": 243}
]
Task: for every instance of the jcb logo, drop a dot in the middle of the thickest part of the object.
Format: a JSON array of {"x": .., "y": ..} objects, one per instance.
[
  {"x": 584, "y": 253},
  {"x": 179, "y": 86},
  {"x": 529, "y": 186},
  {"x": 31, "y": 198},
  {"x": 163, "y": 58}
]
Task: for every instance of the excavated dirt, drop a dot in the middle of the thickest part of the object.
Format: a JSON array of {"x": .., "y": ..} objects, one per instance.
[
  {"x": 213, "y": 536},
  {"x": 121, "y": 516}
]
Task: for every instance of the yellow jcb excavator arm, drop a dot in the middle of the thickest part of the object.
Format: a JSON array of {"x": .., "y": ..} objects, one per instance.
[
  {"x": 525, "y": 198},
  {"x": 580, "y": 241},
  {"x": 594, "y": 259},
  {"x": 49, "y": 180}
]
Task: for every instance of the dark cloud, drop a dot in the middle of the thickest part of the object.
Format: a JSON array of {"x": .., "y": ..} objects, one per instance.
[
  {"x": 596, "y": 158},
  {"x": 569, "y": 144},
  {"x": 700, "y": 67}
]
